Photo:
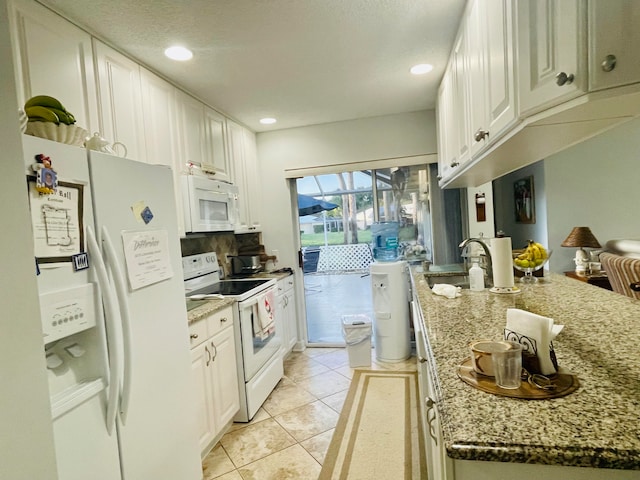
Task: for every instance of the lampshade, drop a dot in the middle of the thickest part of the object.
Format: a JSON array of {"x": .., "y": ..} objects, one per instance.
[{"x": 581, "y": 237}]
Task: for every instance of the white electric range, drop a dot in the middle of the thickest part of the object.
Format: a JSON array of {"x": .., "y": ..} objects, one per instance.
[{"x": 259, "y": 358}]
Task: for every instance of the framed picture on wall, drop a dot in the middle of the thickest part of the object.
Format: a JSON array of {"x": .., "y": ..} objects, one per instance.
[{"x": 524, "y": 200}]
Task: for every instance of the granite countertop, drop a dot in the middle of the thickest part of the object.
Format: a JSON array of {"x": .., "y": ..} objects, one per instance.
[
  {"x": 598, "y": 425},
  {"x": 206, "y": 308}
]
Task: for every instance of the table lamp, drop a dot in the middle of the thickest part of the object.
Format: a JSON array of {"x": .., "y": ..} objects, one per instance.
[{"x": 581, "y": 237}]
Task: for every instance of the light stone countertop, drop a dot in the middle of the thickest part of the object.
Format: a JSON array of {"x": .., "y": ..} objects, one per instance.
[
  {"x": 213, "y": 305},
  {"x": 598, "y": 425},
  {"x": 207, "y": 308}
]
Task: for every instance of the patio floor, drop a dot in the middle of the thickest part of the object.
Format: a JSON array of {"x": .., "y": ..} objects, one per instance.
[{"x": 330, "y": 296}]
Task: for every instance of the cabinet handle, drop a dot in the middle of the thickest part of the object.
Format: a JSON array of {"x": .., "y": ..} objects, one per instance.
[
  {"x": 563, "y": 79},
  {"x": 454, "y": 164},
  {"x": 609, "y": 63},
  {"x": 439, "y": 177},
  {"x": 480, "y": 135},
  {"x": 223, "y": 319},
  {"x": 208, "y": 355},
  {"x": 422, "y": 359},
  {"x": 193, "y": 336},
  {"x": 430, "y": 409},
  {"x": 215, "y": 352}
]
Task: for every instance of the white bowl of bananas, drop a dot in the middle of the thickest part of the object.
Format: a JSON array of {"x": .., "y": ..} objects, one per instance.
[
  {"x": 531, "y": 259},
  {"x": 49, "y": 119}
]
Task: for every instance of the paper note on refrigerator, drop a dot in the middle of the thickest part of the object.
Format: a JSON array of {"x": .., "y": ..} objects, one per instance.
[{"x": 147, "y": 257}]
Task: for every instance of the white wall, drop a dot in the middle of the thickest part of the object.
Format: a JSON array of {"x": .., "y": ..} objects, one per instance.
[
  {"x": 26, "y": 442},
  {"x": 594, "y": 184},
  {"x": 338, "y": 144}
]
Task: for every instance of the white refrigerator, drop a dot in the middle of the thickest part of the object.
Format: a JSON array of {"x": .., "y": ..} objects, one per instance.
[{"x": 115, "y": 332}]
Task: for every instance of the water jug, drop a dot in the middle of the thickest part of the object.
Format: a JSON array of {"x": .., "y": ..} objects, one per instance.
[{"x": 384, "y": 236}]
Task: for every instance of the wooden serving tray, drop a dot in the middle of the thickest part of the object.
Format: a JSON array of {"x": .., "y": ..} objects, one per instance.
[{"x": 565, "y": 384}]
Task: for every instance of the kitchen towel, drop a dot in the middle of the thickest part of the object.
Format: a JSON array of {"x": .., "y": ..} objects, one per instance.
[
  {"x": 535, "y": 333},
  {"x": 446, "y": 290},
  {"x": 502, "y": 262},
  {"x": 266, "y": 311}
]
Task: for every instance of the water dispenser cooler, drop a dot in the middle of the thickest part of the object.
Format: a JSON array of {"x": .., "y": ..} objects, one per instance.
[
  {"x": 391, "y": 294},
  {"x": 384, "y": 239}
]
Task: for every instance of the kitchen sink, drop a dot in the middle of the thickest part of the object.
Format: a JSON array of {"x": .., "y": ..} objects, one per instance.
[{"x": 452, "y": 274}]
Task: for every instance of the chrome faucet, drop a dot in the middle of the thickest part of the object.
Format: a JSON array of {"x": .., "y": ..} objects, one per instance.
[{"x": 487, "y": 253}]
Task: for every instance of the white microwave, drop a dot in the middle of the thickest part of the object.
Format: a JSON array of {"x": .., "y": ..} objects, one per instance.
[{"x": 209, "y": 205}]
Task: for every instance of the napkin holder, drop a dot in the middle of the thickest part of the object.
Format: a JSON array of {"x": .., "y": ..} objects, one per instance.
[{"x": 531, "y": 351}]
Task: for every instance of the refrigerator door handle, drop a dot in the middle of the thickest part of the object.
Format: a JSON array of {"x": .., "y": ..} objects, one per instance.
[
  {"x": 125, "y": 318},
  {"x": 112, "y": 326}
]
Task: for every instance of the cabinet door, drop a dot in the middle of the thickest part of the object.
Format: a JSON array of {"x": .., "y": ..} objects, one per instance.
[
  {"x": 215, "y": 158},
  {"x": 225, "y": 377},
  {"x": 551, "y": 52},
  {"x": 614, "y": 32},
  {"x": 241, "y": 145},
  {"x": 497, "y": 18},
  {"x": 447, "y": 134},
  {"x": 120, "y": 100},
  {"x": 460, "y": 98},
  {"x": 54, "y": 57},
  {"x": 190, "y": 129},
  {"x": 160, "y": 127},
  {"x": 252, "y": 180},
  {"x": 290, "y": 315},
  {"x": 202, "y": 385}
]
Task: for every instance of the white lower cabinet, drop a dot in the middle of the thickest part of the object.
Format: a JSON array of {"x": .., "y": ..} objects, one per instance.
[
  {"x": 214, "y": 371},
  {"x": 286, "y": 314}
]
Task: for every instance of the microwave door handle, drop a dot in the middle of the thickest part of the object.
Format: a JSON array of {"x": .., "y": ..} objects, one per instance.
[
  {"x": 112, "y": 328},
  {"x": 125, "y": 318}
]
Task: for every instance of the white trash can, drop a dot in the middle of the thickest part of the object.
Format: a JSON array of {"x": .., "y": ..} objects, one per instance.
[{"x": 356, "y": 331}]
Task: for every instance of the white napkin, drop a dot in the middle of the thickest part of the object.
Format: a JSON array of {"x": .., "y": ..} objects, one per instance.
[
  {"x": 446, "y": 290},
  {"x": 535, "y": 333}
]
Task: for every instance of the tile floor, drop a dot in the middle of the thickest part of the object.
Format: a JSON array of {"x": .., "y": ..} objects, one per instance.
[
  {"x": 289, "y": 436},
  {"x": 328, "y": 297}
]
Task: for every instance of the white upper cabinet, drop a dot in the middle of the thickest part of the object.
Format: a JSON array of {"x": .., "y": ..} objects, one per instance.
[
  {"x": 460, "y": 98},
  {"x": 447, "y": 133},
  {"x": 120, "y": 103},
  {"x": 493, "y": 102},
  {"x": 551, "y": 52},
  {"x": 614, "y": 43},
  {"x": 190, "y": 129},
  {"x": 53, "y": 57},
  {"x": 159, "y": 113},
  {"x": 241, "y": 145},
  {"x": 215, "y": 160}
]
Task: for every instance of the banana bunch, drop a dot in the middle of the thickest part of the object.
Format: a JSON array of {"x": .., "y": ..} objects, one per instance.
[
  {"x": 43, "y": 108},
  {"x": 533, "y": 256}
]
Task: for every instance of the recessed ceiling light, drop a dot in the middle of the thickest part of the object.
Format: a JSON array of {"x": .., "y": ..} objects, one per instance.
[
  {"x": 268, "y": 121},
  {"x": 178, "y": 53},
  {"x": 421, "y": 69}
]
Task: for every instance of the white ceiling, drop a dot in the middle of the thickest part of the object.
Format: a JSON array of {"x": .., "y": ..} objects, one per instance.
[{"x": 302, "y": 61}]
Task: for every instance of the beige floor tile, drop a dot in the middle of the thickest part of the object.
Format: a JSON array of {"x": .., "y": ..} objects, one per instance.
[
  {"x": 231, "y": 476},
  {"x": 314, "y": 351},
  {"x": 338, "y": 358},
  {"x": 302, "y": 367},
  {"x": 325, "y": 384},
  {"x": 336, "y": 401},
  {"x": 292, "y": 463},
  {"x": 317, "y": 446},
  {"x": 309, "y": 420},
  {"x": 258, "y": 417},
  {"x": 286, "y": 398},
  {"x": 217, "y": 463},
  {"x": 255, "y": 441}
]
